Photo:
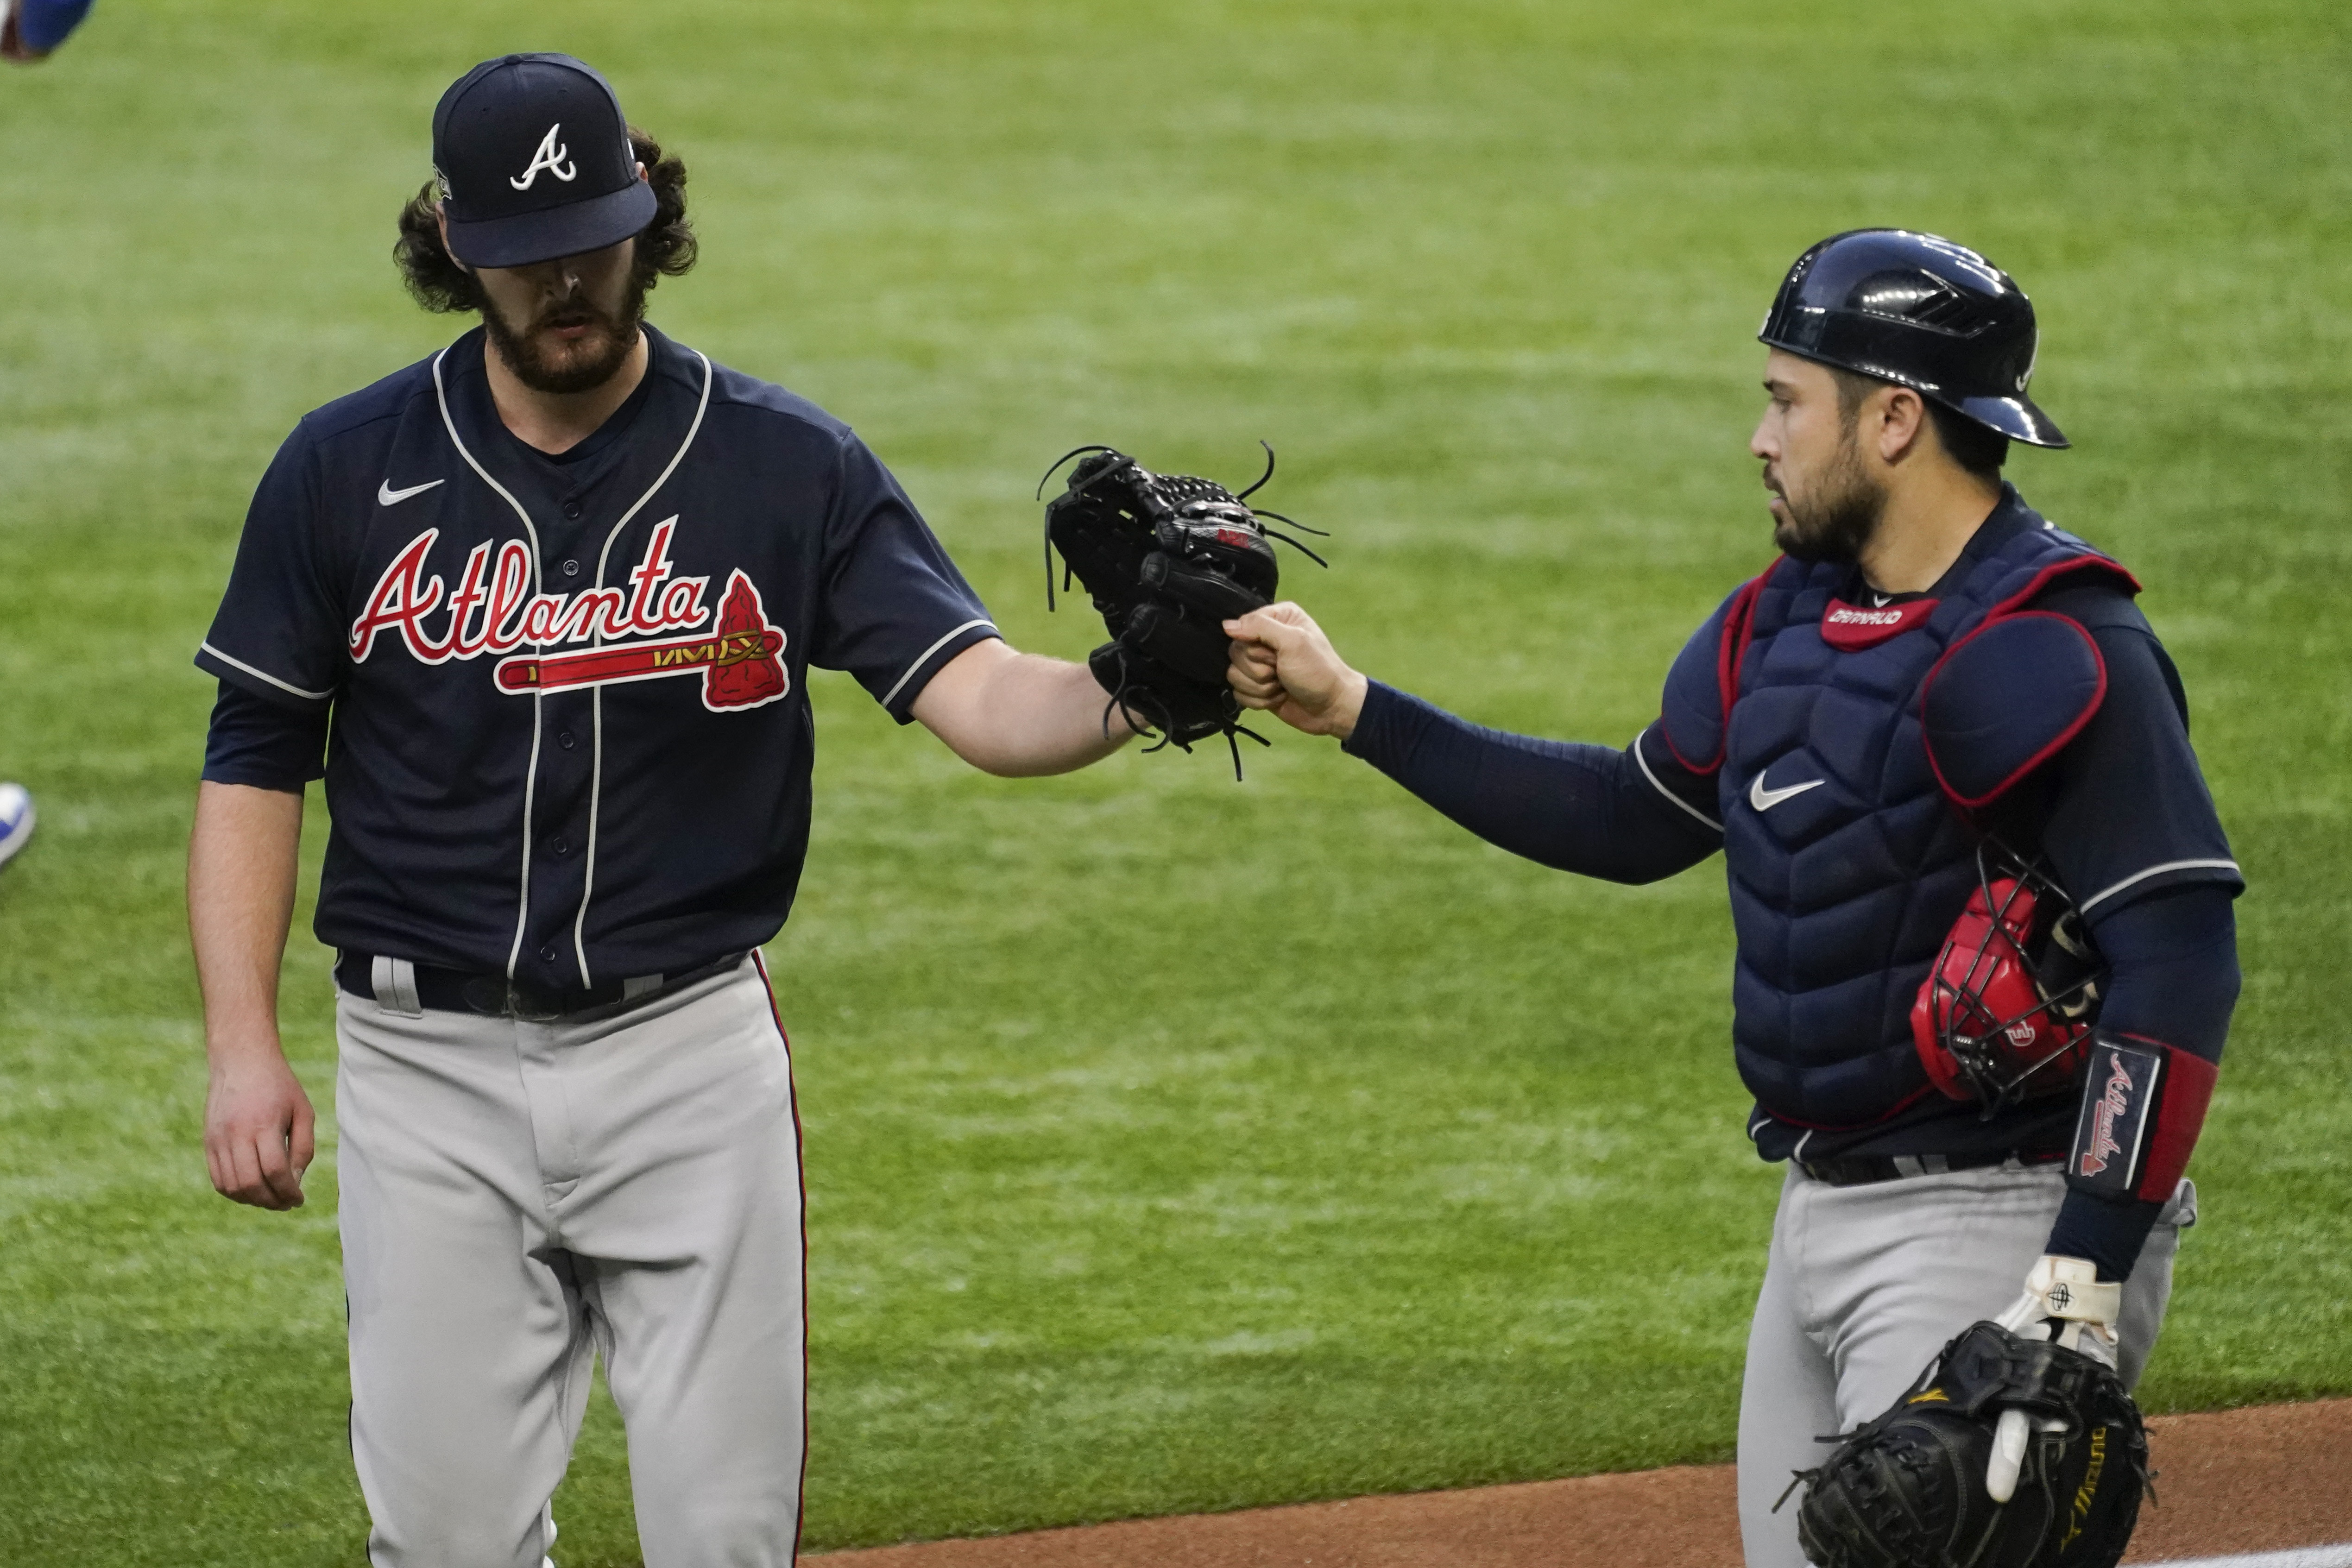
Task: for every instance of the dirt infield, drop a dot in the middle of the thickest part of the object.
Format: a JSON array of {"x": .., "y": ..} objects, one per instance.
[{"x": 2240, "y": 1480}]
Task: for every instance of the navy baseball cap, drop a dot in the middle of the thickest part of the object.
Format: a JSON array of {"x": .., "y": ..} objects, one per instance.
[{"x": 533, "y": 157}]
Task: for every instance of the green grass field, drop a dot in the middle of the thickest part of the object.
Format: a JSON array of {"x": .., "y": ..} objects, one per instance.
[{"x": 1173, "y": 1144}]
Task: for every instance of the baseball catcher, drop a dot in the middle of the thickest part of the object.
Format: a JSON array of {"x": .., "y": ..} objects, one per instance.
[
  {"x": 1168, "y": 558},
  {"x": 1981, "y": 902}
]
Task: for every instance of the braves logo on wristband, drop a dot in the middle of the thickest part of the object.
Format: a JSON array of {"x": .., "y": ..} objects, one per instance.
[{"x": 2118, "y": 1106}]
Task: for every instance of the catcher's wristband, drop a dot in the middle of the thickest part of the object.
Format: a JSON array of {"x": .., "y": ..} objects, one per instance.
[{"x": 2144, "y": 1103}]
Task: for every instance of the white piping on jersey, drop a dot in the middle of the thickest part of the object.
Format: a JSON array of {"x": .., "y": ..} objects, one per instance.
[
  {"x": 261, "y": 674},
  {"x": 2106, "y": 893},
  {"x": 924, "y": 657},
  {"x": 1669, "y": 794},
  {"x": 596, "y": 697},
  {"x": 531, "y": 779}
]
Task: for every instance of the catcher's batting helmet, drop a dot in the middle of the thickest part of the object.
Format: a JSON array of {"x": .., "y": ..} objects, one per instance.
[{"x": 1920, "y": 311}]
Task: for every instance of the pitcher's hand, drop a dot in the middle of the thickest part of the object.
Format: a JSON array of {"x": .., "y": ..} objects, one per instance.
[{"x": 258, "y": 1129}]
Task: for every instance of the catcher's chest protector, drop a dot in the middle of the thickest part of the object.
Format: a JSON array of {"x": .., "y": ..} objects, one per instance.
[{"x": 1847, "y": 863}]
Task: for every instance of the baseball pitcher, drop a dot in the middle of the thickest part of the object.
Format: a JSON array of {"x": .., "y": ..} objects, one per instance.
[{"x": 541, "y": 610}]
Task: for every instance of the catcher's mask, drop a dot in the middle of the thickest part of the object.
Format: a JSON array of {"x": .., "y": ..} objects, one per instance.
[{"x": 2006, "y": 1013}]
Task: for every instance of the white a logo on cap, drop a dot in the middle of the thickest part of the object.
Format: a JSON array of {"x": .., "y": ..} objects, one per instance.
[{"x": 553, "y": 159}]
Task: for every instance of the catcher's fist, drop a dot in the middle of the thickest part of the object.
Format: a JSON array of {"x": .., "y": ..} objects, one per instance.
[{"x": 1285, "y": 665}]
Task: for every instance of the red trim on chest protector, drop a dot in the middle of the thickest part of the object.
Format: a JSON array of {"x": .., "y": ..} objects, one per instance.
[
  {"x": 1730, "y": 650},
  {"x": 2050, "y": 749},
  {"x": 1850, "y": 628},
  {"x": 1739, "y": 631},
  {"x": 2053, "y": 572}
]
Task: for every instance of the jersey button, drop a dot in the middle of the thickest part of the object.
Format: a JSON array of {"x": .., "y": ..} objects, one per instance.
[
  {"x": 564, "y": 738},
  {"x": 571, "y": 568},
  {"x": 548, "y": 952},
  {"x": 560, "y": 844},
  {"x": 571, "y": 510}
]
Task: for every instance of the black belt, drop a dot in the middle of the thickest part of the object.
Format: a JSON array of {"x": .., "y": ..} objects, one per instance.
[
  {"x": 494, "y": 995},
  {"x": 1860, "y": 1170}
]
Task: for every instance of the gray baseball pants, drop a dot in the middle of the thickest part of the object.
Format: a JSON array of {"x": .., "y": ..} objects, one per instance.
[
  {"x": 1864, "y": 1286},
  {"x": 518, "y": 1197}
]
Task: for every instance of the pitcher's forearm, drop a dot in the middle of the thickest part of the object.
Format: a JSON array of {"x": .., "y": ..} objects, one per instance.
[
  {"x": 241, "y": 867},
  {"x": 1020, "y": 714},
  {"x": 1058, "y": 717}
]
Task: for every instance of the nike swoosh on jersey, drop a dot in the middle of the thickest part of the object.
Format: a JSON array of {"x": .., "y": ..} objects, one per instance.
[
  {"x": 386, "y": 496},
  {"x": 1764, "y": 800}
]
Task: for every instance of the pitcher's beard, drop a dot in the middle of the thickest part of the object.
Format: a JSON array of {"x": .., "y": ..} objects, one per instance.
[
  {"x": 1837, "y": 520},
  {"x": 540, "y": 363}
]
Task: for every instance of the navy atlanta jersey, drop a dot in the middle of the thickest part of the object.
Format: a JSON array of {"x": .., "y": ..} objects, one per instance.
[{"x": 570, "y": 733}]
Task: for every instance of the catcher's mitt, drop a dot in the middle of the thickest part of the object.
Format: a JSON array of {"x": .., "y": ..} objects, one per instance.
[
  {"x": 1907, "y": 1490},
  {"x": 1168, "y": 558}
]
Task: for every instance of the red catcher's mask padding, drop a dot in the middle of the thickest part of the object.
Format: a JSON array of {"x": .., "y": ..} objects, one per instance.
[{"x": 2006, "y": 1013}]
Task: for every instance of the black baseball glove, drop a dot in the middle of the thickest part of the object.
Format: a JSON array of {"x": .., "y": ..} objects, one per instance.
[
  {"x": 1908, "y": 1491},
  {"x": 1168, "y": 560}
]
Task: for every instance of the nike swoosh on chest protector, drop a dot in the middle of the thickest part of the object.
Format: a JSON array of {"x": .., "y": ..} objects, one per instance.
[
  {"x": 386, "y": 496},
  {"x": 1764, "y": 800}
]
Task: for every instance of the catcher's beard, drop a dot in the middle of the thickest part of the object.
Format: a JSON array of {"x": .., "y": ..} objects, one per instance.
[
  {"x": 544, "y": 364},
  {"x": 1833, "y": 519}
]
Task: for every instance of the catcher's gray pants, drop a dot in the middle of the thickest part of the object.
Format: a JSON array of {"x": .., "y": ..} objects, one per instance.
[
  {"x": 1864, "y": 1286},
  {"x": 517, "y": 1195}
]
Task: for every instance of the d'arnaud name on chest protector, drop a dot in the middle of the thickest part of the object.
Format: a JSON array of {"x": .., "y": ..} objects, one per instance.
[{"x": 1847, "y": 858}]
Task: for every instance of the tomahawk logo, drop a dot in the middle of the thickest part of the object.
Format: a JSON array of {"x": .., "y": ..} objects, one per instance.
[
  {"x": 555, "y": 159},
  {"x": 2112, "y": 1102},
  {"x": 738, "y": 663}
]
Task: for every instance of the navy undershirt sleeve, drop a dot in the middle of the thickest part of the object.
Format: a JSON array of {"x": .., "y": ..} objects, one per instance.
[
  {"x": 2133, "y": 834},
  {"x": 2173, "y": 976},
  {"x": 1573, "y": 806},
  {"x": 267, "y": 745}
]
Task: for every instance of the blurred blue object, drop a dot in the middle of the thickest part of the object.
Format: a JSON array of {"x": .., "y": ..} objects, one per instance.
[
  {"x": 40, "y": 26},
  {"x": 15, "y": 820}
]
